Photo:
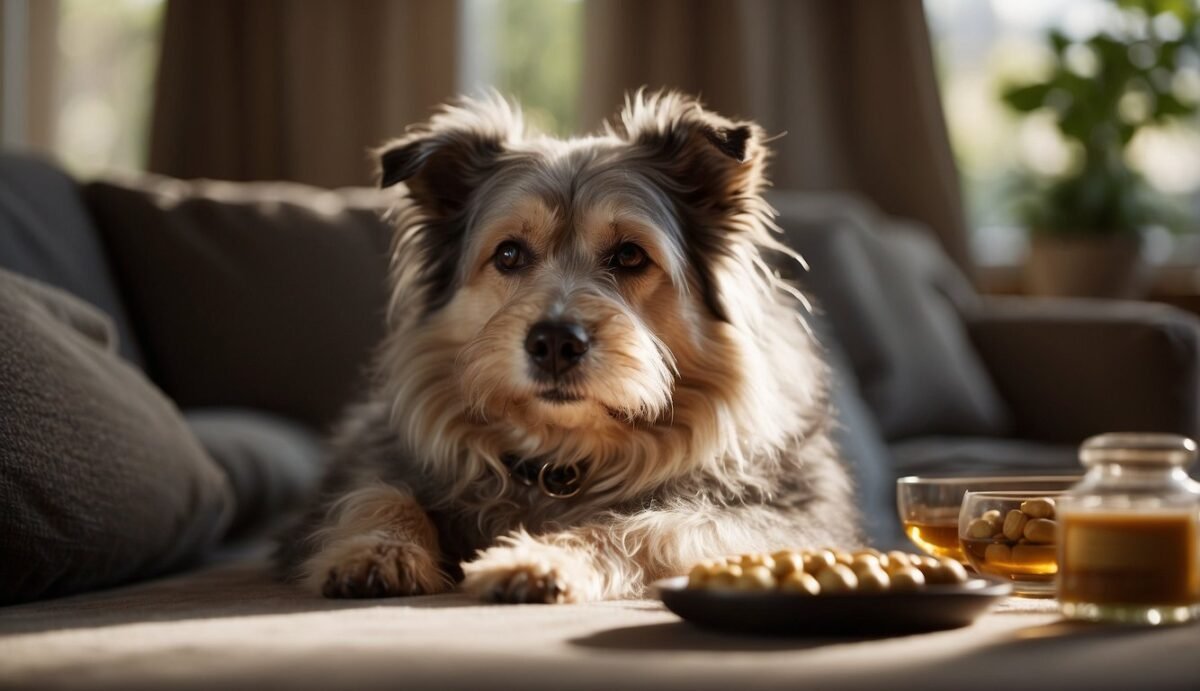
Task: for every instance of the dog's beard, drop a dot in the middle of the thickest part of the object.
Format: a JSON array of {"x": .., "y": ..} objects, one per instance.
[{"x": 626, "y": 376}]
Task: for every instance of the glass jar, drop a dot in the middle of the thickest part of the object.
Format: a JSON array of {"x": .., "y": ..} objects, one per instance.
[{"x": 1129, "y": 540}]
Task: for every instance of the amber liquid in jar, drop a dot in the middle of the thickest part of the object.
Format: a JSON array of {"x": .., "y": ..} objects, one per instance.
[
  {"x": 936, "y": 533},
  {"x": 1130, "y": 559}
]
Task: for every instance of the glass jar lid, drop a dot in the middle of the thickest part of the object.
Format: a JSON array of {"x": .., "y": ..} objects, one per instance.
[{"x": 1138, "y": 447}]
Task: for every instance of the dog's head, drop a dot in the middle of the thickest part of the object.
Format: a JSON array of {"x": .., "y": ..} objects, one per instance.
[{"x": 575, "y": 292}]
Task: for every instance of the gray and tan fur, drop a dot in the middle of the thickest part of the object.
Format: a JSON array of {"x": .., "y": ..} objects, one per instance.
[{"x": 694, "y": 398}]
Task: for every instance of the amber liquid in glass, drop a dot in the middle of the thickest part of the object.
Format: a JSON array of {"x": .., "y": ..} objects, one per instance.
[
  {"x": 1130, "y": 559},
  {"x": 936, "y": 534},
  {"x": 1028, "y": 563}
]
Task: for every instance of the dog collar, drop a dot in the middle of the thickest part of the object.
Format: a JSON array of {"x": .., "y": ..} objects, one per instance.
[{"x": 556, "y": 482}]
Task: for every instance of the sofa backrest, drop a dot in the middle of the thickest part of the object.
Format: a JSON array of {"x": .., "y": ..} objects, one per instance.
[
  {"x": 46, "y": 234},
  {"x": 258, "y": 295}
]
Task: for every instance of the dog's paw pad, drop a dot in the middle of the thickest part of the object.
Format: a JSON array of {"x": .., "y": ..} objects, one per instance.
[
  {"x": 381, "y": 570},
  {"x": 531, "y": 583},
  {"x": 543, "y": 575}
]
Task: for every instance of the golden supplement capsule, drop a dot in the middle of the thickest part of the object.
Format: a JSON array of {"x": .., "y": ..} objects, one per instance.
[
  {"x": 943, "y": 571},
  {"x": 801, "y": 583},
  {"x": 1014, "y": 525},
  {"x": 749, "y": 560},
  {"x": 837, "y": 579},
  {"x": 755, "y": 578},
  {"x": 784, "y": 571},
  {"x": 953, "y": 571},
  {"x": 1038, "y": 508},
  {"x": 981, "y": 528},
  {"x": 786, "y": 562},
  {"x": 873, "y": 579},
  {"x": 820, "y": 559},
  {"x": 1042, "y": 531},
  {"x": 864, "y": 561},
  {"x": 898, "y": 560},
  {"x": 906, "y": 580},
  {"x": 726, "y": 577}
]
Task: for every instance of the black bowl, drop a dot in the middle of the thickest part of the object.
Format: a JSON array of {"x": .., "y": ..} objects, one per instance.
[{"x": 770, "y": 612}]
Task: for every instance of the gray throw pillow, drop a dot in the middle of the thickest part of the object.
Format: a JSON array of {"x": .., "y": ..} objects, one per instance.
[{"x": 101, "y": 481}]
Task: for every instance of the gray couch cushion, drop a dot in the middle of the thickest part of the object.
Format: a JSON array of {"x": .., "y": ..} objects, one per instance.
[
  {"x": 865, "y": 454},
  {"x": 273, "y": 464},
  {"x": 255, "y": 295},
  {"x": 892, "y": 299},
  {"x": 982, "y": 456},
  {"x": 46, "y": 234},
  {"x": 100, "y": 479}
]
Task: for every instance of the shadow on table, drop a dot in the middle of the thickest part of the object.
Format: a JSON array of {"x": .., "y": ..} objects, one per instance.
[
  {"x": 1070, "y": 655},
  {"x": 682, "y": 636}
]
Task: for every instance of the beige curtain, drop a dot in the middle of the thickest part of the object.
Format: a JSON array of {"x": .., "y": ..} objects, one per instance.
[
  {"x": 296, "y": 89},
  {"x": 851, "y": 82}
]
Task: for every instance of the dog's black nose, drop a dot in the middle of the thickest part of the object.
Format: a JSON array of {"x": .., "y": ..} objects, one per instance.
[{"x": 556, "y": 347}]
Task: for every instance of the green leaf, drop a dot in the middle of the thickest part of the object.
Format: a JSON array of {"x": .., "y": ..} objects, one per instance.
[
  {"x": 1026, "y": 98},
  {"x": 1058, "y": 41},
  {"x": 1168, "y": 106},
  {"x": 1076, "y": 123}
]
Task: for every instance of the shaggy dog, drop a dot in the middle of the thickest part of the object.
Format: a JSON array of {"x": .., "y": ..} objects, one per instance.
[{"x": 592, "y": 378}]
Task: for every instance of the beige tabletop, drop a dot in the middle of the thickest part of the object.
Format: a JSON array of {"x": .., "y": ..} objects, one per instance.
[{"x": 231, "y": 626}]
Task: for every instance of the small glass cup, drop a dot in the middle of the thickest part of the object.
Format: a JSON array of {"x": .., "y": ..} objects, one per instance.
[
  {"x": 1012, "y": 535},
  {"x": 929, "y": 506}
]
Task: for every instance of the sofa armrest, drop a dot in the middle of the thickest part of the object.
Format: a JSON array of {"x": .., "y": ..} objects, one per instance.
[{"x": 1071, "y": 368}]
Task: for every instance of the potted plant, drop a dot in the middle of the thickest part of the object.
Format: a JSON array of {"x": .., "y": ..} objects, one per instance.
[{"x": 1086, "y": 223}]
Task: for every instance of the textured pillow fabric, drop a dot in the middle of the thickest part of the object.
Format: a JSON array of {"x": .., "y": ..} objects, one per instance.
[
  {"x": 891, "y": 301},
  {"x": 273, "y": 464},
  {"x": 46, "y": 235},
  {"x": 252, "y": 295},
  {"x": 100, "y": 479}
]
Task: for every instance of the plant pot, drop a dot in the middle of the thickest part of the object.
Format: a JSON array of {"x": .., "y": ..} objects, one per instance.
[{"x": 1103, "y": 266}]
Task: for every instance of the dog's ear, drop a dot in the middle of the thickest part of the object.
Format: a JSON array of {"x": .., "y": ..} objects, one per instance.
[
  {"x": 716, "y": 160},
  {"x": 712, "y": 166},
  {"x": 443, "y": 160},
  {"x": 442, "y": 163}
]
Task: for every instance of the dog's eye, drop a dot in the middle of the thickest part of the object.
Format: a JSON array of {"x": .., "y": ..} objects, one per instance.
[
  {"x": 510, "y": 256},
  {"x": 629, "y": 257}
]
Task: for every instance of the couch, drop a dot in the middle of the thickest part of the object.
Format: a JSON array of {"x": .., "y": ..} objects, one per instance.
[{"x": 252, "y": 309}]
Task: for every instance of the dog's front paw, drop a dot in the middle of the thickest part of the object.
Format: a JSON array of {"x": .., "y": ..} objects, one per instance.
[
  {"x": 371, "y": 568},
  {"x": 533, "y": 573}
]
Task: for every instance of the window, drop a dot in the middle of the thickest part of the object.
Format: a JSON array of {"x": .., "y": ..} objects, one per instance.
[
  {"x": 528, "y": 49},
  {"x": 982, "y": 46},
  {"x": 107, "y": 53}
]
